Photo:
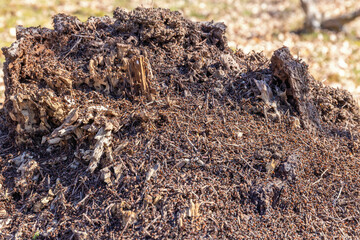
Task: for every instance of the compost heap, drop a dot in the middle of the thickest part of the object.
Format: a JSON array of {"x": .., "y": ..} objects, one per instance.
[{"x": 147, "y": 125}]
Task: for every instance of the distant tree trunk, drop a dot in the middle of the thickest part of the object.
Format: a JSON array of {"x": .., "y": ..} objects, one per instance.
[
  {"x": 312, "y": 16},
  {"x": 314, "y": 19}
]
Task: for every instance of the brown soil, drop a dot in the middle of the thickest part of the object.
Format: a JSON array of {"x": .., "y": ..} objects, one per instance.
[{"x": 147, "y": 125}]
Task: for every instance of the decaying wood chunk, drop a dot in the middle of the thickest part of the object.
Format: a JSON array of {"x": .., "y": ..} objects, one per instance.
[
  {"x": 103, "y": 138},
  {"x": 110, "y": 78},
  {"x": 35, "y": 114},
  {"x": 83, "y": 123},
  {"x": 296, "y": 79},
  {"x": 140, "y": 75},
  {"x": 65, "y": 129}
]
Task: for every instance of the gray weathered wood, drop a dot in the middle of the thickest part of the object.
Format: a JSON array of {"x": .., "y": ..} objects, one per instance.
[{"x": 314, "y": 20}]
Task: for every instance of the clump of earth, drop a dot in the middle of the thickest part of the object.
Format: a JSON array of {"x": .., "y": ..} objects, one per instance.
[{"x": 147, "y": 125}]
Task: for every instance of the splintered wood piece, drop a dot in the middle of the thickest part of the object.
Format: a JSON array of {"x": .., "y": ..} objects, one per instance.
[
  {"x": 137, "y": 74},
  {"x": 193, "y": 209},
  {"x": 103, "y": 138},
  {"x": 66, "y": 128}
]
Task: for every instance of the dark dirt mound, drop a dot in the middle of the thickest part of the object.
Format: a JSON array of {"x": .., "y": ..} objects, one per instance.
[{"x": 147, "y": 125}]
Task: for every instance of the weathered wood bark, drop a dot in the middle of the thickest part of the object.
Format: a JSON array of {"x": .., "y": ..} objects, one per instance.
[
  {"x": 295, "y": 77},
  {"x": 314, "y": 19}
]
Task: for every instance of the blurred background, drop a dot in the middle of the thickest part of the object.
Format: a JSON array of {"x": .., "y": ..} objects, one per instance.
[{"x": 253, "y": 25}]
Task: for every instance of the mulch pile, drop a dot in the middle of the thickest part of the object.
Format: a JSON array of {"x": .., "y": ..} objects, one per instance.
[{"x": 147, "y": 125}]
